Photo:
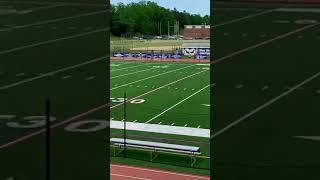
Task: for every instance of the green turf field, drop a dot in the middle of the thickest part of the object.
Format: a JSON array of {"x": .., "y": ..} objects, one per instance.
[
  {"x": 267, "y": 95},
  {"x": 179, "y": 97},
  {"x": 56, "y": 51}
]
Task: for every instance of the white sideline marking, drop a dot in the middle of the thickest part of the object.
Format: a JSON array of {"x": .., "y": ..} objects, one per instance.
[
  {"x": 130, "y": 177},
  {"x": 239, "y": 86},
  {"x": 41, "y": 8},
  {"x": 51, "y": 73},
  {"x": 163, "y": 112},
  {"x": 265, "y": 88},
  {"x": 150, "y": 77},
  {"x": 131, "y": 73},
  {"x": 90, "y": 78},
  {"x": 58, "y": 19},
  {"x": 244, "y": 18},
  {"x": 20, "y": 74},
  {"x": 161, "y": 128},
  {"x": 208, "y": 105},
  {"x": 71, "y": 27},
  {"x": 66, "y": 77},
  {"x": 7, "y": 116},
  {"x": 268, "y": 103},
  {"x": 129, "y": 67},
  {"x": 52, "y": 41}
]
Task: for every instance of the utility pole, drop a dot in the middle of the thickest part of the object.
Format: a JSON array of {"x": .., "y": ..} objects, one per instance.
[
  {"x": 47, "y": 139},
  {"x": 124, "y": 125},
  {"x": 168, "y": 29}
]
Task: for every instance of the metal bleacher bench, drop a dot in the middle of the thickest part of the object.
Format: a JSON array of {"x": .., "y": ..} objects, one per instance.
[{"x": 155, "y": 147}]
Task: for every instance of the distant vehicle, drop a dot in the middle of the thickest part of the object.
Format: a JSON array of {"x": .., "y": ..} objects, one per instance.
[
  {"x": 157, "y": 37},
  {"x": 118, "y": 55},
  {"x": 188, "y": 38},
  {"x": 172, "y": 37}
]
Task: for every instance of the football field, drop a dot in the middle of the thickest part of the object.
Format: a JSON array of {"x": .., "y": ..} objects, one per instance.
[
  {"x": 267, "y": 95},
  {"x": 56, "y": 51},
  {"x": 165, "y": 95}
]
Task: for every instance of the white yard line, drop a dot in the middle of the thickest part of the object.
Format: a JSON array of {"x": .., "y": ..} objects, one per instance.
[
  {"x": 161, "y": 87},
  {"x": 244, "y": 18},
  {"x": 51, "y": 73},
  {"x": 90, "y": 111},
  {"x": 59, "y": 3},
  {"x": 58, "y": 19},
  {"x": 52, "y": 41},
  {"x": 131, "y": 73},
  {"x": 150, "y": 77},
  {"x": 268, "y": 103},
  {"x": 282, "y": 36},
  {"x": 163, "y": 112},
  {"x": 43, "y": 8}
]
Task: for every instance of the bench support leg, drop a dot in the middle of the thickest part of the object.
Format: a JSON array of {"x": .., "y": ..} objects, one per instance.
[{"x": 193, "y": 159}]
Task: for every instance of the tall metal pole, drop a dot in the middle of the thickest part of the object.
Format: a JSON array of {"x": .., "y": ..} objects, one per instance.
[
  {"x": 47, "y": 139},
  {"x": 168, "y": 29},
  {"x": 160, "y": 28},
  {"x": 124, "y": 125}
]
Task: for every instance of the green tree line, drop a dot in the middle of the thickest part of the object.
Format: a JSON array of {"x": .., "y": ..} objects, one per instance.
[{"x": 144, "y": 17}]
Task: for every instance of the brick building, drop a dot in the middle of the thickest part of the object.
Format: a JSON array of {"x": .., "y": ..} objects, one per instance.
[{"x": 196, "y": 31}]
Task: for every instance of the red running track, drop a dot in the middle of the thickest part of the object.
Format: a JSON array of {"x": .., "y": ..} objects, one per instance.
[
  {"x": 123, "y": 172},
  {"x": 161, "y": 60}
]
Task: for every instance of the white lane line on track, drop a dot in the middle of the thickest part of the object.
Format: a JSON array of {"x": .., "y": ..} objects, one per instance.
[
  {"x": 163, "y": 112},
  {"x": 128, "y": 177},
  {"x": 260, "y": 108},
  {"x": 52, "y": 41},
  {"x": 131, "y": 73},
  {"x": 58, "y": 19},
  {"x": 51, "y": 73},
  {"x": 90, "y": 111},
  {"x": 151, "y": 77},
  {"x": 162, "y": 172}
]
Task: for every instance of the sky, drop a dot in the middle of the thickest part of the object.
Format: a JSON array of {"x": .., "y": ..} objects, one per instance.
[{"x": 201, "y": 7}]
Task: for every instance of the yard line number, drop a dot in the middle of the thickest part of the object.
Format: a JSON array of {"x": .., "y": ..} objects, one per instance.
[{"x": 121, "y": 100}]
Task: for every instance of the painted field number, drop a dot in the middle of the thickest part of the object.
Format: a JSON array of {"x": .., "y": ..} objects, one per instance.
[{"x": 121, "y": 100}]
